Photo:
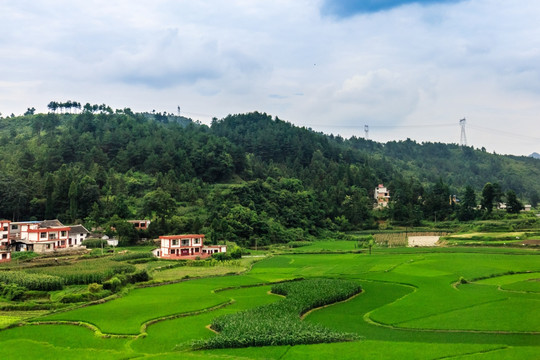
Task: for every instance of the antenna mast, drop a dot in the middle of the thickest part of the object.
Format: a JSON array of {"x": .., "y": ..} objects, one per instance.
[
  {"x": 463, "y": 139},
  {"x": 366, "y": 132},
  {"x": 178, "y": 110}
]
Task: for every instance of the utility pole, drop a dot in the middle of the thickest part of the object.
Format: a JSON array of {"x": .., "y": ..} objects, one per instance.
[{"x": 463, "y": 139}]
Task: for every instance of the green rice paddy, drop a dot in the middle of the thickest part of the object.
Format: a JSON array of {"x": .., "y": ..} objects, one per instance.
[{"x": 413, "y": 305}]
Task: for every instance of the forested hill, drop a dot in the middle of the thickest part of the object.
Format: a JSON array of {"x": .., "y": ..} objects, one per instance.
[{"x": 244, "y": 170}]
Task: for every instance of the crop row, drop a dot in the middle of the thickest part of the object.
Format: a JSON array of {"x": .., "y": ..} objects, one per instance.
[
  {"x": 279, "y": 323},
  {"x": 32, "y": 281}
]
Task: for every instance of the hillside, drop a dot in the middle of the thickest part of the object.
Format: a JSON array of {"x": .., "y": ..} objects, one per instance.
[{"x": 246, "y": 176}]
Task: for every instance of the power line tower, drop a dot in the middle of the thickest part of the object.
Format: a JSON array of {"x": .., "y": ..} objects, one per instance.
[
  {"x": 178, "y": 110},
  {"x": 463, "y": 139},
  {"x": 366, "y": 132}
]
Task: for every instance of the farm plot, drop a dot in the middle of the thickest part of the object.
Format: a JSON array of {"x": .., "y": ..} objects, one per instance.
[
  {"x": 413, "y": 305},
  {"x": 126, "y": 315}
]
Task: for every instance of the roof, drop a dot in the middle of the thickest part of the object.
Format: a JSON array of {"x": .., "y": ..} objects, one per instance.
[
  {"x": 50, "y": 223},
  {"x": 189, "y": 236},
  {"x": 78, "y": 229}
]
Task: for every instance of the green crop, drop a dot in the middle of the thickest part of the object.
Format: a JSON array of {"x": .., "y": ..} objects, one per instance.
[{"x": 279, "y": 323}]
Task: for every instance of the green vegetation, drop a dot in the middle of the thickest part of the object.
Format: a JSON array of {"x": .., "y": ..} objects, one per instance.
[
  {"x": 411, "y": 306},
  {"x": 279, "y": 323},
  {"x": 246, "y": 178},
  {"x": 32, "y": 281}
]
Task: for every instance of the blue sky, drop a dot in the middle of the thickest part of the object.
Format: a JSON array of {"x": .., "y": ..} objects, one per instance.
[
  {"x": 347, "y": 8},
  {"x": 407, "y": 69}
]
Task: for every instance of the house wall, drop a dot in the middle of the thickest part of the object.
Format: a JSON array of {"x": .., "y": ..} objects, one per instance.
[{"x": 4, "y": 232}]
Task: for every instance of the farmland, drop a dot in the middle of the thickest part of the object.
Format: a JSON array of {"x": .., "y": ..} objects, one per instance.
[{"x": 479, "y": 303}]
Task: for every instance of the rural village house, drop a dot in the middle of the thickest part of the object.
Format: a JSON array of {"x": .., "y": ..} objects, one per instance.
[
  {"x": 140, "y": 224},
  {"x": 45, "y": 236},
  {"x": 382, "y": 196},
  {"x": 186, "y": 247},
  {"x": 5, "y": 254}
]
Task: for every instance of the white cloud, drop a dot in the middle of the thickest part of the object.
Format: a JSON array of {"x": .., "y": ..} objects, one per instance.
[{"x": 409, "y": 65}]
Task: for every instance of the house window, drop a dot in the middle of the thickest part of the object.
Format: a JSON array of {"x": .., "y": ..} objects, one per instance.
[
  {"x": 43, "y": 235},
  {"x": 196, "y": 241},
  {"x": 4, "y": 236},
  {"x": 47, "y": 246},
  {"x": 5, "y": 228},
  {"x": 14, "y": 227},
  {"x": 185, "y": 242},
  {"x": 52, "y": 236},
  {"x": 197, "y": 250},
  {"x": 175, "y": 242},
  {"x": 62, "y": 233}
]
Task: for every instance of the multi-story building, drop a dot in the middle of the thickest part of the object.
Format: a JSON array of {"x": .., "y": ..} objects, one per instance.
[
  {"x": 186, "y": 247},
  {"x": 5, "y": 253},
  {"x": 382, "y": 196}
]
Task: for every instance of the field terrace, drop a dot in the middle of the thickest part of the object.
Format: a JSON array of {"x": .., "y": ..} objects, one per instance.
[{"x": 416, "y": 303}]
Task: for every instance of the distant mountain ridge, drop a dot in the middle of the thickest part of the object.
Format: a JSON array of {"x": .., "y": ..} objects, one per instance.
[{"x": 535, "y": 155}]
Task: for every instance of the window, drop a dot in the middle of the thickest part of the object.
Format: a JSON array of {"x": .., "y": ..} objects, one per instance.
[
  {"x": 43, "y": 235},
  {"x": 185, "y": 242},
  {"x": 4, "y": 236},
  {"x": 196, "y": 241},
  {"x": 197, "y": 249},
  {"x": 175, "y": 242},
  {"x": 52, "y": 236},
  {"x": 62, "y": 233},
  {"x": 14, "y": 227},
  {"x": 5, "y": 228},
  {"x": 47, "y": 246}
]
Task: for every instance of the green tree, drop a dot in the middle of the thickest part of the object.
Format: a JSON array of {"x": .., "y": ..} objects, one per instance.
[
  {"x": 513, "y": 205},
  {"x": 488, "y": 196},
  {"x": 467, "y": 209},
  {"x": 160, "y": 203}
]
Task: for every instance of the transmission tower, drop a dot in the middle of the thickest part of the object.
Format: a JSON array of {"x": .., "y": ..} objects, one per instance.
[
  {"x": 463, "y": 139},
  {"x": 178, "y": 110},
  {"x": 366, "y": 132}
]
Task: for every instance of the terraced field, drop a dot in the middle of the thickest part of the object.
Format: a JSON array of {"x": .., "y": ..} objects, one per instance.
[{"x": 415, "y": 303}]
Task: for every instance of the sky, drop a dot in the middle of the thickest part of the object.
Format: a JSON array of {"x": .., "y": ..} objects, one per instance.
[{"x": 406, "y": 69}]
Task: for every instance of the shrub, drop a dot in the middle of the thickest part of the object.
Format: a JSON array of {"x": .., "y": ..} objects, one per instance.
[
  {"x": 32, "y": 281},
  {"x": 236, "y": 253},
  {"x": 138, "y": 276},
  {"x": 95, "y": 288},
  {"x": 95, "y": 243},
  {"x": 23, "y": 255},
  {"x": 12, "y": 292},
  {"x": 84, "y": 297},
  {"x": 113, "y": 284},
  {"x": 221, "y": 256}
]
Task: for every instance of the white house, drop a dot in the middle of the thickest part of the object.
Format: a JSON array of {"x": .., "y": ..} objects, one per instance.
[{"x": 186, "y": 247}]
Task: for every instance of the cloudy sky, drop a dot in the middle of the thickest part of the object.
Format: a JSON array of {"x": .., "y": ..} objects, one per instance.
[{"x": 407, "y": 69}]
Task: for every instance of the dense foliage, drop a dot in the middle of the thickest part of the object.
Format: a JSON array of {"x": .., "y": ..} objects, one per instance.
[
  {"x": 32, "y": 281},
  {"x": 279, "y": 323},
  {"x": 247, "y": 178}
]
